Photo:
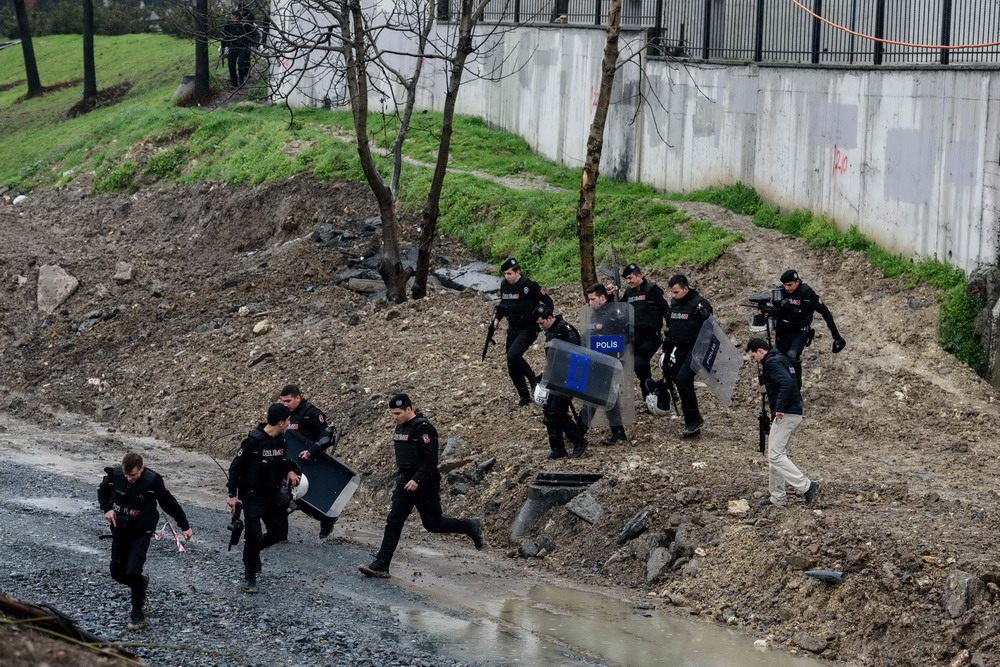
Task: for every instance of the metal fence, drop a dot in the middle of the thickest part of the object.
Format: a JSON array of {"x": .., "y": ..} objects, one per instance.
[{"x": 779, "y": 30}]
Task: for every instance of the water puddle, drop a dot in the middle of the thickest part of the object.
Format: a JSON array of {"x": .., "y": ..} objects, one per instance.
[{"x": 551, "y": 623}]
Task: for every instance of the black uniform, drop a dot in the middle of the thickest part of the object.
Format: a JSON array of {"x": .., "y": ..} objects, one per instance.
[
  {"x": 783, "y": 394},
  {"x": 239, "y": 35},
  {"x": 517, "y": 302},
  {"x": 651, "y": 310},
  {"x": 255, "y": 475},
  {"x": 136, "y": 515},
  {"x": 607, "y": 321},
  {"x": 309, "y": 421},
  {"x": 557, "y": 408},
  {"x": 687, "y": 314},
  {"x": 793, "y": 324},
  {"x": 416, "y": 447}
]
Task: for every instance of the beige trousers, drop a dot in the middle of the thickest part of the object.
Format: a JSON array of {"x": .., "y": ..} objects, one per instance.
[{"x": 782, "y": 470}]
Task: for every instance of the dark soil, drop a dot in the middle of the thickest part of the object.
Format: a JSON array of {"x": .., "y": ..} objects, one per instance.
[{"x": 103, "y": 98}]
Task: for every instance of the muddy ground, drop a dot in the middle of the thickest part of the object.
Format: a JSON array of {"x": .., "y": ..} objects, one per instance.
[{"x": 901, "y": 435}]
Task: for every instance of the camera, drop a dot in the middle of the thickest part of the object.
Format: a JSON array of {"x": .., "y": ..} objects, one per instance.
[{"x": 765, "y": 305}]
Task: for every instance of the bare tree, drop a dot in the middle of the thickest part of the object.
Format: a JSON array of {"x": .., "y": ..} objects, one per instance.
[
  {"x": 89, "y": 69},
  {"x": 202, "y": 85},
  {"x": 595, "y": 147},
  {"x": 28, "y": 49}
]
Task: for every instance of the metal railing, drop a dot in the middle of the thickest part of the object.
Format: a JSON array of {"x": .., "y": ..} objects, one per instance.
[{"x": 779, "y": 30}]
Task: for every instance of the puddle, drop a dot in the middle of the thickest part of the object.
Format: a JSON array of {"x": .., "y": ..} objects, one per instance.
[
  {"x": 551, "y": 622},
  {"x": 64, "y": 506}
]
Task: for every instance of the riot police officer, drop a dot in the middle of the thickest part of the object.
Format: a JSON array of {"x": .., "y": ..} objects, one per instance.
[
  {"x": 128, "y": 496},
  {"x": 518, "y": 298},
  {"x": 688, "y": 311},
  {"x": 255, "y": 478},
  {"x": 556, "y": 411},
  {"x": 607, "y": 321},
  {"x": 651, "y": 310},
  {"x": 418, "y": 485},
  {"x": 310, "y": 422},
  {"x": 793, "y": 320}
]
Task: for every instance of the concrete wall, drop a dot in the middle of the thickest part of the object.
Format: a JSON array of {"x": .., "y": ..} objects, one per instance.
[{"x": 909, "y": 156}]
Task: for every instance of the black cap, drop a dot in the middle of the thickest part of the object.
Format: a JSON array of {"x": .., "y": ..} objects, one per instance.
[
  {"x": 510, "y": 264},
  {"x": 400, "y": 401},
  {"x": 630, "y": 269},
  {"x": 791, "y": 275},
  {"x": 542, "y": 311},
  {"x": 278, "y": 412}
]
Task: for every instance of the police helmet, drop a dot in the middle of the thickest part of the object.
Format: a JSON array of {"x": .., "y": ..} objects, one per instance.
[
  {"x": 302, "y": 489},
  {"x": 541, "y": 394},
  {"x": 653, "y": 403}
]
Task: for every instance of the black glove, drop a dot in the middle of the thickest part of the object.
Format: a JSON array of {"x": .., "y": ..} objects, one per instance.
[{"x": 838, "y": 344}]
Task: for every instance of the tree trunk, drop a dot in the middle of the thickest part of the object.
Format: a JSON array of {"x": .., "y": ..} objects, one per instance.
[
  {"x": 353, "y": 30},
  {"x": 409, "y": 104},
  {"x": 595, "y": 145},
  {"x": 432, "y": 207},
  {"x": 30, "y": 66},
  {"x": 202, "y": 87},
  {"x": 89, "y": 69}
]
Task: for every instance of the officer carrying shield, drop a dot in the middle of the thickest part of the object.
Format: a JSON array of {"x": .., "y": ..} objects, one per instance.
[
  {"x": 556, "y": 410},
  {"x": 650, "y": 309},
  {"x": 608, "y": 328},
  {"x": 793, "y": 320},
  {"x": 519, "y": 296},
  {"x": 310, "y": 422},
  {"x": 688, "y": 311}
]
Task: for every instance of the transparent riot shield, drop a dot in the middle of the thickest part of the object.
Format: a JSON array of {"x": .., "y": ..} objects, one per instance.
[
  {"x": 716, "y": 361},
  {"x": 576, "y": 372},
  {"x": 610, "y": 330}
]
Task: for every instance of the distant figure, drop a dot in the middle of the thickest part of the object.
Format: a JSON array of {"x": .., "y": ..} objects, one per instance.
[
  {"x": 239, "y": 36},
  {"x": 418, "y": 485},
  {"x": 128, "y": 496}
]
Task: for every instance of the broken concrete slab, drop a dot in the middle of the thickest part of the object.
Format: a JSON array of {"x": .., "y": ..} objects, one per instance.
[{"x": 55, "y": 286}]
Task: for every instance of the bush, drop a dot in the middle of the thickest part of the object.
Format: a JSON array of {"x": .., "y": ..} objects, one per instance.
[{"x": 118, "y": 179}]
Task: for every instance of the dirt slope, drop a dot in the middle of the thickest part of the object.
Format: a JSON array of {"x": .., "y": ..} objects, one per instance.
[{"x": 901, "y": 435}]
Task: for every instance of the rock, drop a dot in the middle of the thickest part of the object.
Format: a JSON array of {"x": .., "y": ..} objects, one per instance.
[
  {"x": 808, "y": 642},
  {"x": 740, "y": 506},
  {"x": 826, "y": 576},
  {"x": 459, "y": 489},
  {"x": 123, "y": 273},
  {"x": 586, "y": 507},
  {"x": 659, "y": 560},
  {"x": 799, "y": 562},
  {"x": 260, "y": 358},
  {"x": 452, "y": 445},
  {"x": 687, "y": 495},
  {"x": 681, "y": 546},
  {"x": 363, "y": 286},
  {"x": 261, "y": 327},
  {"x": 635, "y": 527},
  {"x": 963, "y": 658},
  {"x": 962, "y": 592},
  {"x": 244, "y": 311},
  {"x": 19, "y": 199},
  {"x": 528, "y": 550},
  {"x": 54, "y": 287},
  {"x": 481, "y": 470},
  {"x": 760, "y": 643},
  {"x": 469, "y": 276},
  {"x": 21, "y": 281}
]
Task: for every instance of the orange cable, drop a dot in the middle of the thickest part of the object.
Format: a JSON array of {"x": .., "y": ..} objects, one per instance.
[{"x": 889, "y": 41}]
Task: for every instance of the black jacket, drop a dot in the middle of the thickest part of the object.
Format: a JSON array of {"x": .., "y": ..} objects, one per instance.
[
  {"x": 416, "y": 447},
  {"x": 308, "y": 420},
  {"x": 517, "y": 302},
  {"x": 135, "y": 504},
  {"x": 687, "y": 314},
  {"x": 260, "y": 464},
  {"x": 650, "y": 306},
  {"x": 796, "y": 311},
  {"x": 778, "y": 376},
  {"x": 562, "y": 330},
  {"x": 240, "y": 33}
]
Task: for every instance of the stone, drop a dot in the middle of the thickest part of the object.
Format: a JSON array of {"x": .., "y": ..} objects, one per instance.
[
  {"x": 657, "y": 563},
  {"x": 586, "y": 507},
  {"x": 681, "y": 546},
  {"x": 739, "y": 506},
  {"x": 244, "y": 311},
  {"x": 123, "y": 273},
  {"x": 962, "y": 592},
  {"x": 687, "y": 495},
  {"x": 808, "y": 642},
  {"x": 452, "y": 445},
  {"x": 528, "y": 550},
  {"x": 459, "y": 489},
  {"x": 635, "y": 527},
  {"x": 470, "y": 276},
  {"x": 261, "y": 327},
  {"x": 55, "y": 286},
  {"x": 363, "y": 286},
  {"x": 19, "y": 199},
  {"x": 800, "y": 562}
]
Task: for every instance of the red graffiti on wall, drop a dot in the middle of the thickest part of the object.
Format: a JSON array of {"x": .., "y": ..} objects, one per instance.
[
  {"x": 593, "y": 98},
  {"x": 839, "y": 161}
]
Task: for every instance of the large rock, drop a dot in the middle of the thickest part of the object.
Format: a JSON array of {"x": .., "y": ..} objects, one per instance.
[
  {"x": 123, "y": 273},
  {"x": 636, "y": 526},
  {"x": 54, "y": 287},
  {"x": 659, "y": 560},
  {"x": 469, "y": 277},
  {"x": 586, "y": 507},
  {"x": 962, "y": 592},
  {"x": 808, "y": 642}
]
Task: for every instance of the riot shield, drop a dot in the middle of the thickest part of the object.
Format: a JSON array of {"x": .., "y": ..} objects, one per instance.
[
  {"x": 331, "y": 483},
  {"x": 576, "y": 372},
  {"x": 716, "y": 361},
  {"x": 610, "y": 330}
]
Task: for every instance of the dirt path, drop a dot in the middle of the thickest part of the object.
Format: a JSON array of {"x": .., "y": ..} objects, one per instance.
[{"x": 902, "y": 436}]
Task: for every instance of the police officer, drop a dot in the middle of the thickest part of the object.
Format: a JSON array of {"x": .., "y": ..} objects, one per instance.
[
  {"x": 418, "y": 484},
  {"x": 651, "y": 311},
  {"x": 607, "y": 322},
  {"x": 128, "y": 496},
  {"x": 518, "y": 298},
  {"x": 793, "y": 320},
  {"x": 688, "y": 311},
  {"x": 786, "y": 410},
  {"x": 556, "y": 411},
  {"x": 255, "y": 478},
  {"x": 310, "y": 422}
]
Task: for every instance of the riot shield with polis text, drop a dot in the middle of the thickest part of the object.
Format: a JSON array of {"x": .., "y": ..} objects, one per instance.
[
  {"x": 610, "y": 330},
  {"x": 576, "y": 372},
  {"x": 716, "y": 361}
]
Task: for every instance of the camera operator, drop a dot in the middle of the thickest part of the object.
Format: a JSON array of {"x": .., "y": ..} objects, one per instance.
[
  {"x": 793, "y": 320},
  {"x": 786, "y": 415}
]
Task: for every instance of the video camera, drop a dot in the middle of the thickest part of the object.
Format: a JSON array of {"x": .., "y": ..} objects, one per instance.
[{"x": 766, "y": 304}]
